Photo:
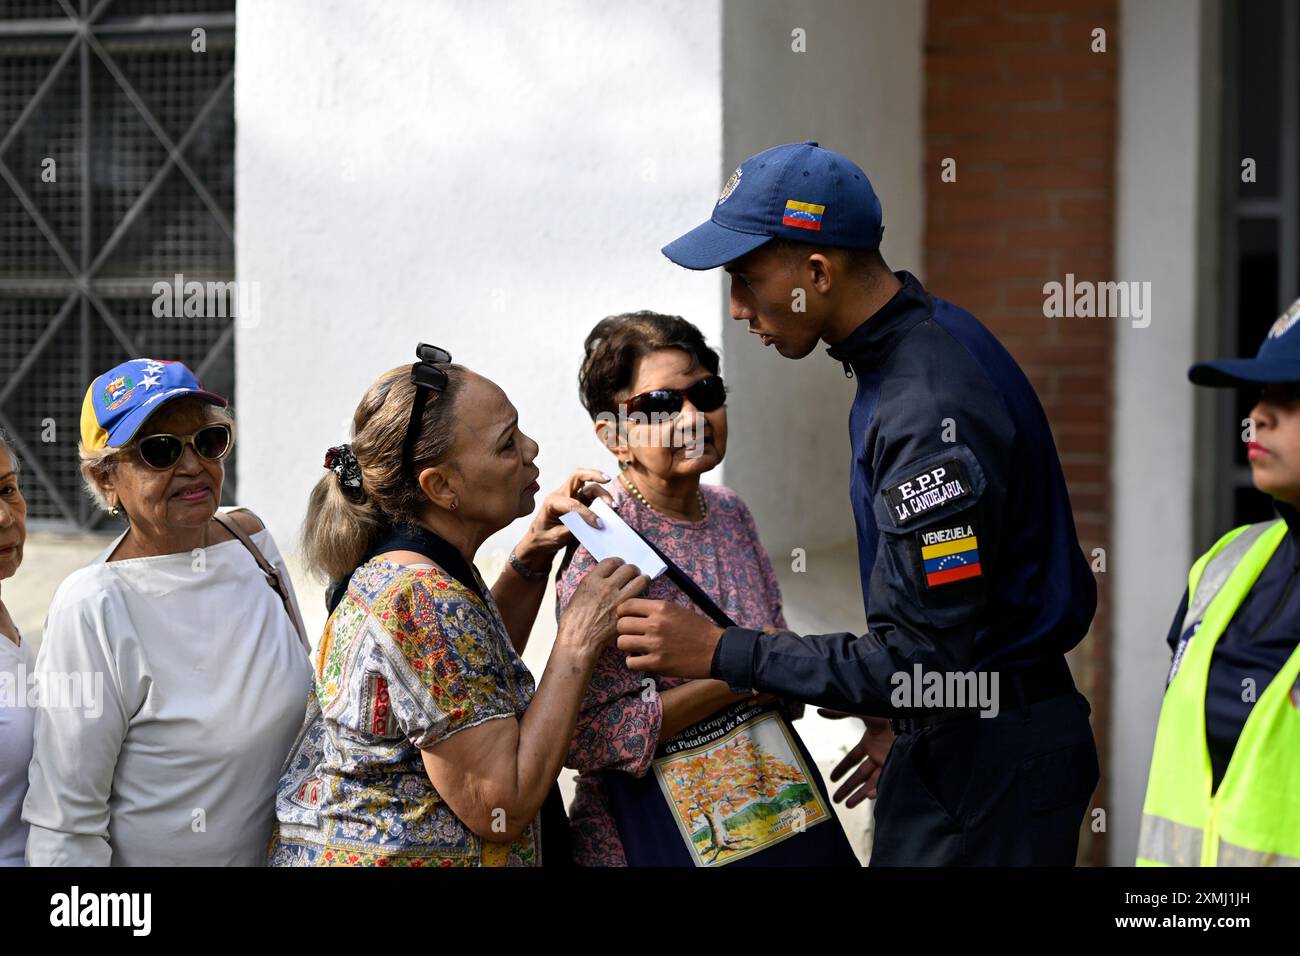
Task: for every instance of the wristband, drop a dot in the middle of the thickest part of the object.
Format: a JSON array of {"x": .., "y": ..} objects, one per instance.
[{"x": 527, "y": 573}]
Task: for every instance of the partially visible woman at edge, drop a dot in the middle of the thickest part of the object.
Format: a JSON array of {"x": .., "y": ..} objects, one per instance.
[
  {"x": 685, "y": 772},
  {"x": 431, "y": 746},
  {"x": 1224, "y": 783},
  {"x": 16, "y": 662}
]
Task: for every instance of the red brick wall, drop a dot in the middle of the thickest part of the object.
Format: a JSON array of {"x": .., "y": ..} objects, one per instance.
[{"x": 1016, "y": 96}]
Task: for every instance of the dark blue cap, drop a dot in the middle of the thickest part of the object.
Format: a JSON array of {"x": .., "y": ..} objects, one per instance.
[
  {"x": 799, "y": 192},
  {"x": 1278, "y": 359}
]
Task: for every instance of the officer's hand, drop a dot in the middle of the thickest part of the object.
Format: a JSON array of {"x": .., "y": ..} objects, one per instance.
[
  {"x": 666, "y": 638},
  {"x": 870, "y": 752}
]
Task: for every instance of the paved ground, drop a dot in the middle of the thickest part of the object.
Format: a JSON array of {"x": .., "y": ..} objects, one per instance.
[{"x": 825, "y": 597}]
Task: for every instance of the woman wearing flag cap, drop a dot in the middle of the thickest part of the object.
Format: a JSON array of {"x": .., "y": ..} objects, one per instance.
[
  {"x": 1224, "y": 772},
  {"x": 171, "y": 676}
]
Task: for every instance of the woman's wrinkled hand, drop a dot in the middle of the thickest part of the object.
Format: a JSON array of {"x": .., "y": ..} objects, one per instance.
[
  {"x": 547, "y": 535},
  {"x": 590, "y": 619}
]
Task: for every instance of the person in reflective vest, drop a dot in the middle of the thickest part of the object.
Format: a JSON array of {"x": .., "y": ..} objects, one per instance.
[{"x": 1224, "y": 788}]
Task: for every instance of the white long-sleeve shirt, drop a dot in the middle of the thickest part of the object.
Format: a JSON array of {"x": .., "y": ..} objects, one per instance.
[
  {"x": 16, "y": 720},
  {"x": 192, "y": 686}
]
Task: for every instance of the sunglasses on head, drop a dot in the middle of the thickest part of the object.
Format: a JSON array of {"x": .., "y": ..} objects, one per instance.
[
  {"x": 708, "y": 394},
  {"x": 211, "y": 443},
  {"x": 427, "y": 379}
]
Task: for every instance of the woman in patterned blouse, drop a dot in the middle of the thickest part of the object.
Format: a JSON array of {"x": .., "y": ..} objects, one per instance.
[
  {"x": 425, "y": 743},
  {"x": 651, "y": 384}
]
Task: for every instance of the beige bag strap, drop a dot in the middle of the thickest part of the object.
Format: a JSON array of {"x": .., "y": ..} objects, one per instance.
[{"x": 270, "y": 570}]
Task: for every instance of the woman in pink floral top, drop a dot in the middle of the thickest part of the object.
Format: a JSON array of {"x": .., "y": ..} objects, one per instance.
[
  {"x": 637, "y": 369},
  {"x": 618, "y": 726}
]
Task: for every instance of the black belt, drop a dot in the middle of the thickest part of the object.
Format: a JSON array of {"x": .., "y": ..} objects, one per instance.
[{"x": 1017, "y": 689}]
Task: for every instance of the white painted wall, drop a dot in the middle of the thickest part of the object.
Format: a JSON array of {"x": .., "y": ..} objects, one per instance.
[
  {"x": 490, "y": 177},
  {"x": 1158, "y": 174}
]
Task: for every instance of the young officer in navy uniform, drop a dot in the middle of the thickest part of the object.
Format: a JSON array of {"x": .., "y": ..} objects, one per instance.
[{"x": 971, "y": 570}]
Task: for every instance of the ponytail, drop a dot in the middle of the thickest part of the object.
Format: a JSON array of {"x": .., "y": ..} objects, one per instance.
[
  {"x": 343, "y": 524},
  {"x": 339, "y": 530}
]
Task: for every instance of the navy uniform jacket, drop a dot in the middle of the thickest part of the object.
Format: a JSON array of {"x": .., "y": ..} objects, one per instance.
[
  {"x": 1257, "y": 642},
  {"x": 966, "y": 542}
]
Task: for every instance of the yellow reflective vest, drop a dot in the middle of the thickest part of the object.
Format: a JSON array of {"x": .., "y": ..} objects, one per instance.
[{"x": 1253, "y": 819}]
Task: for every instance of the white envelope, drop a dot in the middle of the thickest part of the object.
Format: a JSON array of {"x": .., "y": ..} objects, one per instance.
[{"x": 615, "y": 540}]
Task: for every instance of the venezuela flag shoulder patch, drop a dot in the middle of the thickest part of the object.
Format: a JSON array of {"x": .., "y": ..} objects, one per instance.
[{"x": 949, "y": 554}]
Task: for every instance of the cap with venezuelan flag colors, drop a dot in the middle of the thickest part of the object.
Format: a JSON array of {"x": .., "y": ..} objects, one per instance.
[
  {"x": 799, "y": 192},
  {"x": 118, "y": 402}
]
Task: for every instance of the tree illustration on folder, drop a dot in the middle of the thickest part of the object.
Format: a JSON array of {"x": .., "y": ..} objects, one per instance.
[{"x": 729, "y": 795}]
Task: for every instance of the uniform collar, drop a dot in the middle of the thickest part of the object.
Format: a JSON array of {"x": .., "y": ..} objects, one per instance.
[{"x": 871, "y": 342}]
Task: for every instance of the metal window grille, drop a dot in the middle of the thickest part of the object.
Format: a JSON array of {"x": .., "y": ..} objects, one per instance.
[
  {"x": 139, "y": 127},
  {"x": 1260, "y": 235}
]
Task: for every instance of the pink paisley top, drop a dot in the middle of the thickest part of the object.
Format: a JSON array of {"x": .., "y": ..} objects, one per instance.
[{"x": 617, "y": 726}]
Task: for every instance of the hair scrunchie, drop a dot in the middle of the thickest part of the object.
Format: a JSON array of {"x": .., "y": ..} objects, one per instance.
[{"x": 343, "y": 463}]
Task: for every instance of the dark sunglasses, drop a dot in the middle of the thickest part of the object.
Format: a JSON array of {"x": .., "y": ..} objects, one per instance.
[
  {"x": 427, "y": 377},
  {"x": 211, "y": 442},
  {"x": 708, "y": 394}
]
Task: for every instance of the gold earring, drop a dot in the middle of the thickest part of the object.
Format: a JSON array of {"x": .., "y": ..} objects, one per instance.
[{"x": 455, "y": 505}]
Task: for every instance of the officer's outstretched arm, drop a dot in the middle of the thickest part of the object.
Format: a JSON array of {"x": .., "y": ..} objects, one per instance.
[{"x": 940, "y": 507}]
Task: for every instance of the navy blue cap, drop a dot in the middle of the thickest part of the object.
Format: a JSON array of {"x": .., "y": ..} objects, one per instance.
[
  {"x": 1278, "y": 359},
  {"x": 799, "y": 192}
]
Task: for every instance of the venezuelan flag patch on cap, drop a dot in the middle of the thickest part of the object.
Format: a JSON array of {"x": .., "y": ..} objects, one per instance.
[
  {"x": 803, "y": 215},
  {"x": 949, "y": 554}
]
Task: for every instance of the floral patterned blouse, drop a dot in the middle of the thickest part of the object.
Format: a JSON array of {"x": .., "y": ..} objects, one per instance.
[
  {"x": 409, "y": 657},
  {"x": 618, "y": 727}
]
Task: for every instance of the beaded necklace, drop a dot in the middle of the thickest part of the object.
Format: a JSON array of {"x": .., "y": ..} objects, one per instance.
[{"x": 636, "y": 493}]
